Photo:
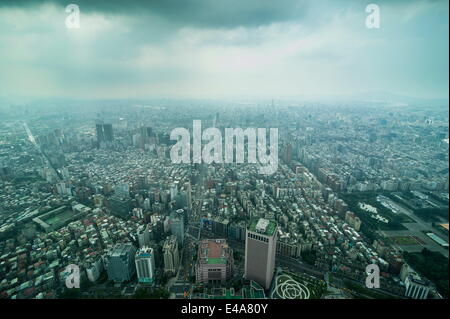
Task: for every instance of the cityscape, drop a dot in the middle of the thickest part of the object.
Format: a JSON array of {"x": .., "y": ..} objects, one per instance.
[{"x": 115, "y": 195}]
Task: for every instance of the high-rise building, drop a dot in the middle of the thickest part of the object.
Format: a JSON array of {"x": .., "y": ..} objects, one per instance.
[
  {"x": 149, "y": 131},
  {"x": 147, "y": 204},
  {"x": 236, "y": 231},
  {"x": 353, "y": 220},
  {"x": 177, "y": 228},
  {"x": 215, "y": 261},
  {"x": 260, "y": 248},
  {"x": 143, "y": 234},
  {"x": 119, "y": 262},
  {"x": 219, "y": 226},
  {"x": 99, "y": 131},
  {"x": 94, "y": 267},
  {"x": 287, "y": 155},
  {"x": 104, "y": 132},
  {"x": 174, "y": 191},
  {"x": 122, "y": 190},
  {"x": 189, "y": 195},
  {"x": 145, "y": 265},
  {"x": 119, "y": 206},
  {"x": 108, "y": 132},
  {"x": 171, "y": 256},
  {"x": 416, "y": 287}
]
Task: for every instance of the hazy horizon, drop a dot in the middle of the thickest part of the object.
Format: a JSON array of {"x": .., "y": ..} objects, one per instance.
[{"x": 205, "y": 49}]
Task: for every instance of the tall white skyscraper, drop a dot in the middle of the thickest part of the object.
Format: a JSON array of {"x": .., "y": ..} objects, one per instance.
[
  {"x": 143, "y": 234},
  {"x": 145, "y": 265},
  {"x": 416, "y": 287}
]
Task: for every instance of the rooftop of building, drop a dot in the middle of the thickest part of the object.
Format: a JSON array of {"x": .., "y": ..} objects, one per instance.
[
  {"x": 263, "y": 226},
  {"x": 213, "y": 251},
  {"x": 249, "y": 291},
  {"x": 120, "y": 249},
  {"x": 415, "y": 278},
  {"x": 170, "y": 242},
  {"x": 437, "y": 239},
  {"x": 144, "y": 252}
]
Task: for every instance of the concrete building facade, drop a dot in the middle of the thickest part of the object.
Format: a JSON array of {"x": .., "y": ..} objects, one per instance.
[
  {"x": 260, "y": 249},
  {"x": 215, "y": 262},
  {"x": 171, "y": 255},
  {"x": 119, "y": 262}
]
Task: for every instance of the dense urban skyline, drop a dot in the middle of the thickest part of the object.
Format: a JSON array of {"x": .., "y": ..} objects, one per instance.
[{"x": 209, "y": 149}]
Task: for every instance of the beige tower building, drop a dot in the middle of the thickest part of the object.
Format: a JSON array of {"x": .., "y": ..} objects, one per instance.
[{"x": 260, "y": 247}]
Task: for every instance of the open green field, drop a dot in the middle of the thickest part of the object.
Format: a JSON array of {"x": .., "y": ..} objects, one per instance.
[
  {"x": 406, "y": 240},
  {"x": 61, "y": 217}
]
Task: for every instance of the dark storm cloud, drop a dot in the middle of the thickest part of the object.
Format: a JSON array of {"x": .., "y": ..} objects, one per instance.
[
  {"x": 218, "y": 47},
  {"x": 200, "y": 13}
]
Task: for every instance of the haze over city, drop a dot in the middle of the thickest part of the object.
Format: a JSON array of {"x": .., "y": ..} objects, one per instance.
[
  {"x": 227, "y": 150},
  {"x": 214, "y": 49}
]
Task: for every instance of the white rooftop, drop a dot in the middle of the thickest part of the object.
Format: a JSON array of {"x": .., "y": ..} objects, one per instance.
[{"x": 262, "y": 225}]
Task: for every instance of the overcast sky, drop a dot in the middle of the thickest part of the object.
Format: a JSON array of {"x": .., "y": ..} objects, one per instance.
[{"x": 215, "y": 48}]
